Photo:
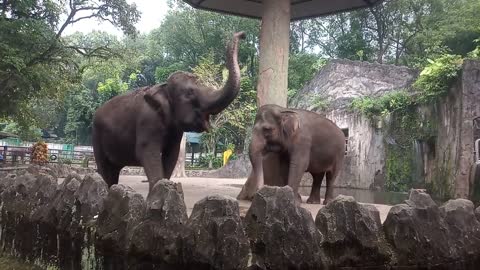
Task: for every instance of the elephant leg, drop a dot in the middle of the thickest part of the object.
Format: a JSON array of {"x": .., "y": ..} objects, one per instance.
[
  {"x": 330, "y": 177},
  {"x": 297, "y": 167},
  {"x": 153, "y": 165},
  {"x": 255, "y": 180},
  {"x": 316, "y": 185},
  {"x": 275, "y": 170},
  {"x": 109, "y": 172},
  {"x": 170, "y": 156}
]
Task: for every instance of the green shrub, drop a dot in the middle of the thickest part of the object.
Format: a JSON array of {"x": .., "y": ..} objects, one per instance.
[{"x": 438, "y": 76}]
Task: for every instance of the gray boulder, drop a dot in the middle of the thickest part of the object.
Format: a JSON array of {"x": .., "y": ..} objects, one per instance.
[
  {"x": 22, "y": 194},
  {"x": 158, "y": 236},
  {"x": 417, "y": 232},
  {"x": 282, "y": 234},
  {"x": 238, "y": 168},
  {"x": 123, "y": 210},
  {"x": 463, "y": 228},
  {"x": 216, "y": 237},
  {"x": 353, "y": 235},
  {"x": 477, "y": 213},
  {"x": 89, "y": 198}
]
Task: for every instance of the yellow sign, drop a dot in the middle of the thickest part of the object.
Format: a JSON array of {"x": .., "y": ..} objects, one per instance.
[{"x": 226, "y": 156}]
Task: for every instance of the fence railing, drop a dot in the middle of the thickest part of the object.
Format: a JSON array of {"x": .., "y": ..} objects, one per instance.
[{"x": 22, "y": 155}]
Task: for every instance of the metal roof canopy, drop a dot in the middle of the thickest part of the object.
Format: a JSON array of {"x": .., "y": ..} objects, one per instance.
[{"x": 300, "y": 9}]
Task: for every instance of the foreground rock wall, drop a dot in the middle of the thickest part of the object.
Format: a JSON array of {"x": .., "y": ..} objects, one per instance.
[{"x": 81, "y": 224}]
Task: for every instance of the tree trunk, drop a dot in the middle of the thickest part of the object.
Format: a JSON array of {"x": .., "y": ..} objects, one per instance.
[
  {"x": 274, "y": 48},
  {"x": 179, "y": 171}
]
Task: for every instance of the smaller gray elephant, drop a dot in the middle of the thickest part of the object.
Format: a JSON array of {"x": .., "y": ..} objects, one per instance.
[{"x": 286, "y": 143}]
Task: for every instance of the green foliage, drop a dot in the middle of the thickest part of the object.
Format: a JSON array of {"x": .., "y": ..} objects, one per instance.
[
  {"x": 36, "y": 61},
  {"x": 207, "y": 160},
  {"x": 475, "y": 54},
  {"x": 388, "y": 103},
  {"x": 162, "y": 73},
  {"x": 319, "y": 103},
  {"x": 25, "y": 132},
  {"x": 438, "y": 76},
  {"x": 399, "y": 169},
  {"x": 302, "y": 67},
  {"x": 110, "y": 88}
]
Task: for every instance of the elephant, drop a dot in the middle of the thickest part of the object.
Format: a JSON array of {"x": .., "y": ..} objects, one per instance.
[
  {"x": 145, "y": 127},
  {"x": 286, "y": 143}
]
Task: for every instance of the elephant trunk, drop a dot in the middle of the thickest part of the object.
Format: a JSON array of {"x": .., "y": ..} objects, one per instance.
[{"x": 219, "y": 100}]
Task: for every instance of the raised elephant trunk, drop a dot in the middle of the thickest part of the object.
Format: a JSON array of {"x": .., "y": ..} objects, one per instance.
[{"x": 219, "y": 100}]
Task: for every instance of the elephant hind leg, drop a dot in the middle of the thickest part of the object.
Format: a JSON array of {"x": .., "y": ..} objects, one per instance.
[
  {"x": 109, "y": 172},
  {"x": 330, "y": 177},
  {"x": 316, "y": 185}
]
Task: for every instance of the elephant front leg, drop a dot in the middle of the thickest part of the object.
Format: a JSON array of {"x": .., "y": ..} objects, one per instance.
[
  {"x": 298, "y": 165},
  {"x": 255, "y": 180},
  {"x": 152, "y": 164},
  {"x": 170, "y": 156}
]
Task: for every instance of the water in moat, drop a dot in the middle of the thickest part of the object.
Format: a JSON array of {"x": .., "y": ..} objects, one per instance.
[{"x": 363, "y": 195}]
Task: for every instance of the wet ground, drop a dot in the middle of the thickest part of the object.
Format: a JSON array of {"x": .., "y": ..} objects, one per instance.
[{"x": 196, "y": 189}]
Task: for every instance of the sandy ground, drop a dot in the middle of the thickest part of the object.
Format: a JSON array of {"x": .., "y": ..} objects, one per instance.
[{"x": 196, "y": 189}]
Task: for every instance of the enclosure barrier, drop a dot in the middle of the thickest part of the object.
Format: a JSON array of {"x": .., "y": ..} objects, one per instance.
[{"x": 81, "y": 224}]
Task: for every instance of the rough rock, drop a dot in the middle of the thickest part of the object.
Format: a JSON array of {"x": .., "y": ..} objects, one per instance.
[
  {"x": 477, "y": 213},
  {"x": 60, "y": 212},
  {"x": 123, "y": 209},
  {"x": 238, "y": 168},
  {"x": 23, "y": 193},
  {"x": 282, "y": 234},
  {"x": 63, "y": 170},
  {"x": 38, "y": 169},
  {"x": 417, "y": 232},
  {"x": 353, "y": 234},
  {"x": 340, "y": 81},
  {"x": 216, "y": 238},
  {"x": 89, "y": 198},
  {"x": 158, "y": 237},
  {"x": 463, "y": 228}
]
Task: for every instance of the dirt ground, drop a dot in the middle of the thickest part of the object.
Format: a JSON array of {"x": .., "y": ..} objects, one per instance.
[{"x": 196, "y": 189}]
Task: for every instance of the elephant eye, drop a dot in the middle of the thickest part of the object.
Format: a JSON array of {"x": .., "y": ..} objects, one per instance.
[{"x": 189, "y": 93}]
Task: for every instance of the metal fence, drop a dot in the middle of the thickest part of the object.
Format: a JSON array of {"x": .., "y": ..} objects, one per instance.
[{"x": 22, "y": 155}]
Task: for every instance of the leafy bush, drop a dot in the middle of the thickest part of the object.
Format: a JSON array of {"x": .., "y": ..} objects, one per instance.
[
  {"x": 383, "y": 105},
  {"x": 475, "y": 54},
  {"x": 204, "y": 161},
  {"x": 438, "y": 76}
]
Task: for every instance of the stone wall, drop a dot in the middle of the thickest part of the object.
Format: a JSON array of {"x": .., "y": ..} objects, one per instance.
[
  {"x": 448, "y": 167},
  {"x": 81, "y": 224},
  {"x": 337, "y": 84}
]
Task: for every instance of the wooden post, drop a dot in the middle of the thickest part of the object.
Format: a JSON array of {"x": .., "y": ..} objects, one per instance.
[{"x": 274, "y": 49}]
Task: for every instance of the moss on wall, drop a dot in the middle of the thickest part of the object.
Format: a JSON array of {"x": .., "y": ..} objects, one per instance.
[{"x": 404, "y": 128}]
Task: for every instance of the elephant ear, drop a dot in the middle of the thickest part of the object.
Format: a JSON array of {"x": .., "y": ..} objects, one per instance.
[
  {"x": 159, "y": 102},
  {"x": 290, "y": 123}
]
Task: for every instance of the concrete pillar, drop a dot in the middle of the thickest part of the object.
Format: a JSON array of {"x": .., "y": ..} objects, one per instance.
[{"x": 274, "y": 49}]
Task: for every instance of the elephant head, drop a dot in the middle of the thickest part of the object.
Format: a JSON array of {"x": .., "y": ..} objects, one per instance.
[
  {"x": 277, "y": 125},
  {"x": 188, "y": 103}
]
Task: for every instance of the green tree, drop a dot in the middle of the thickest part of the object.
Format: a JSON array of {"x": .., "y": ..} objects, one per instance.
[{"x": 35, "y": 60}]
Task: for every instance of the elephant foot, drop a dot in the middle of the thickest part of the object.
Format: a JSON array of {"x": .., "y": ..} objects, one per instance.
[
  {"x": 313, "y": 200},
  {"x": 326, "y": 201},
  {"x": 298, "y": 198}
]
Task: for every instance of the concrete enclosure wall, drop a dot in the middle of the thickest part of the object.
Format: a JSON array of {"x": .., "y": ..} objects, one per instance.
[{"x": 80, "y": 224}]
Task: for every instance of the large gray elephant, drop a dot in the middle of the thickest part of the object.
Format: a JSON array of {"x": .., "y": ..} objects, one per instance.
[
  {"x": 145, "y": 127},
  {"x": 286, "y": 143}
]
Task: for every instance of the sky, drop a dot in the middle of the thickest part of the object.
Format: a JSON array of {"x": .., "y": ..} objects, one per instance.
[{"x": 152, "y": 13}]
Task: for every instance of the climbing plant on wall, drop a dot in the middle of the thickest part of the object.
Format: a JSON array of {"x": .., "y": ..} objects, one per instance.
[{"x": 405, "y": 125}]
